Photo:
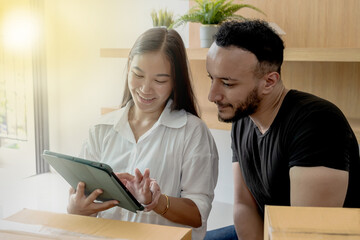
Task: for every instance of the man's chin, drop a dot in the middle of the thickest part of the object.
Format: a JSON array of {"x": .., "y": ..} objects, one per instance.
[
  {"x": 226, "y": 119},
  {"x": 231, "y": 119}
]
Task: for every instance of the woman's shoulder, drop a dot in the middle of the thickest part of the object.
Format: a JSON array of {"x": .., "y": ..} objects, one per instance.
[
  {"x": 195, "y": 122},
  {"x": 108, "y": 119}
]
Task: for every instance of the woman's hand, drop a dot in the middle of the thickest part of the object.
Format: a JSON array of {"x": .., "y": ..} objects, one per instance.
[
  {"x": 138, "y": 185},
  {"x": 81, "y": 204}
]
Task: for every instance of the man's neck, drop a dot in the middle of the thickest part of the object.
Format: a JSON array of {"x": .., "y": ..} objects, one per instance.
[{"x": 269, "y": 108}]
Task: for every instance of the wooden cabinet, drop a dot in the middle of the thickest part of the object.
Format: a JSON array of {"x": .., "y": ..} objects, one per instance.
[{"x": 331, "y": 73}]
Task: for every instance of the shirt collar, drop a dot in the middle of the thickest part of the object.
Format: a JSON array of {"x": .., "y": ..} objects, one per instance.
[{"x": 172, "y": 118}]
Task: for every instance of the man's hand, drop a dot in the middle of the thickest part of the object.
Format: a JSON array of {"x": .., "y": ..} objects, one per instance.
[{"x": 82, "y": 205}]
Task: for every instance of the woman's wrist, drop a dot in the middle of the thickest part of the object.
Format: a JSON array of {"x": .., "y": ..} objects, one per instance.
[
  {"x": 163, "y": 205},
  {"x": 155, "y": 196},
  {"x": 167, "y": 205}
]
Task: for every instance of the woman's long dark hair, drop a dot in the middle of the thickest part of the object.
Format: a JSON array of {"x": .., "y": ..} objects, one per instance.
[{"x": 169, "y": 42}]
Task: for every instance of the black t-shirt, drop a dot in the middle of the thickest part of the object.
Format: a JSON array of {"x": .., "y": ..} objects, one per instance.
[{"x": 307, "y": 131}]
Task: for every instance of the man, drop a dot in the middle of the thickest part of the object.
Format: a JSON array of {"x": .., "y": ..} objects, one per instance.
[{"x": 289, "y": 147}]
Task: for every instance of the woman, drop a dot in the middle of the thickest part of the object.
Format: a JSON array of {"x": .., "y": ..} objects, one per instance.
[{"x": 157, "y": 131}]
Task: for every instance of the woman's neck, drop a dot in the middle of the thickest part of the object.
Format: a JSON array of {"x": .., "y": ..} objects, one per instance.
[
  {"x": 136, "y": 114},
  {"x": 140, "y": 122}
]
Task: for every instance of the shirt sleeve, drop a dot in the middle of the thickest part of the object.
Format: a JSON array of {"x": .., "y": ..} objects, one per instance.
[
  {"x": 322, "y": 139},
  {"x": 200, "y": 167},
  {"x": 235, "y": 157},
  {"x": 91, "y": 147}
]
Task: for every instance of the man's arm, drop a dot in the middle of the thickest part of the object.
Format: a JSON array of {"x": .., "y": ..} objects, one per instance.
[
  {"x": 318, "y": 186},
  {"x": 248, "y": 223}
]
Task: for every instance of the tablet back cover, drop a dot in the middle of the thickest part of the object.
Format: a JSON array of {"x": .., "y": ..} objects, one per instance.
[{"x": 95, "y": 175}]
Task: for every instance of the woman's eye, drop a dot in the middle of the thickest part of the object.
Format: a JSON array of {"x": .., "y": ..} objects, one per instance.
[
  {"x": 137, "y": 75},
  {"x": 159, "y": 81}
]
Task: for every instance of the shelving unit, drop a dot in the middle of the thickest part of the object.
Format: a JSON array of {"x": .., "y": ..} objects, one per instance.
[
  {"x": 290, "y": 54},
  {"x": 331, "y": 73}
]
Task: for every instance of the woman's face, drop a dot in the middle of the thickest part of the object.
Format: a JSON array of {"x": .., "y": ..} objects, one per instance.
[{"x": 150, "y": 81}]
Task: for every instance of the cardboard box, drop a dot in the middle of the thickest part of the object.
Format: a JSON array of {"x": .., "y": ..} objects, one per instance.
[
  {"x": 95, "y": 227},
  {"x": 310, "y": 223}
]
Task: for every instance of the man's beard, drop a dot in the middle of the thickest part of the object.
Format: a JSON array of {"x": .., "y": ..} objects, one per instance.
[{"x": 244, "y": 109}]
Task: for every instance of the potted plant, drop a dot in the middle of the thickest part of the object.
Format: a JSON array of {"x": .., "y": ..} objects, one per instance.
[
  {"x": 162, "y": 18},
  {"x": 210, "y": 13}
]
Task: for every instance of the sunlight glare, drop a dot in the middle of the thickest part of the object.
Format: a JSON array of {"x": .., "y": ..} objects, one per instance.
[{"x": 20, "y": 30}]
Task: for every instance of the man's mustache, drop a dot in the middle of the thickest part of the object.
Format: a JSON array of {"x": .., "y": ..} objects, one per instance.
[{"x": 220, "y": 104}]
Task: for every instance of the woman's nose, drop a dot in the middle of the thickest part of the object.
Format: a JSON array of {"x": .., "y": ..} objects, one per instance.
[{"x": 146, "y": 86}]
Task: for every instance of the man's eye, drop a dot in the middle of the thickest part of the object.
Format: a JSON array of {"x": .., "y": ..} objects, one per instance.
[{"x": 227, "y": 84}]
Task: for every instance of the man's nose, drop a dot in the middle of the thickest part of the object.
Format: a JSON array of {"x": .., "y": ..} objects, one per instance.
[{"x": 214, "y": 93}]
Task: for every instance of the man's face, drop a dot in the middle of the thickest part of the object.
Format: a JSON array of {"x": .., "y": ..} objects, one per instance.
[{"x": 234, "y": 87}]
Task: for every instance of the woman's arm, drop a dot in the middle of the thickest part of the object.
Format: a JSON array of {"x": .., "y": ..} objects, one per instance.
[
  {"x": 147, "y": 191},
  {"x": 179, "y": 210}
]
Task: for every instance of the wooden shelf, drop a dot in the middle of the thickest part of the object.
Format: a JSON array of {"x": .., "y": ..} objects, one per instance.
[
  {"x": 322, "y": 54},
  {"x": 193, "y": 53},
  {"x": 322, "y": 74},
  {"x": 290, "y": 54}
]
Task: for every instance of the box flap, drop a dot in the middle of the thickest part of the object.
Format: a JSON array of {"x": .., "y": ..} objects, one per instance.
[
  {"x": 101, "y": 227},
  {"x": 280, "y": 220}
]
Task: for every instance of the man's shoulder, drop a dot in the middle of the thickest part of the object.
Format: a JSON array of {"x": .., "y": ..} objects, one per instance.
[
  {"x": 302, "y": 105},
  {"x": 300, "y": 99}
]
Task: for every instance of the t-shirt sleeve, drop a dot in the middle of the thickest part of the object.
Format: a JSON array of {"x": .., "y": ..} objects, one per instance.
[
  {"x": 235, "y": 157},
  {"x": 320, "y": 139}
]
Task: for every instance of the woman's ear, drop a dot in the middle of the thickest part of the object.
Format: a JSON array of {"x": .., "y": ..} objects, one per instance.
[{"x": 271, "y": 79}]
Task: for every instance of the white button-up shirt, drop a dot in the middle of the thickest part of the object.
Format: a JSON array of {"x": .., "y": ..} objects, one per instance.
[{"x": 179, "y": 150}]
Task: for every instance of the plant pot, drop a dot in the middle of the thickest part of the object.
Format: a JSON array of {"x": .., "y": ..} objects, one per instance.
[{"x": 207, "y": 33}]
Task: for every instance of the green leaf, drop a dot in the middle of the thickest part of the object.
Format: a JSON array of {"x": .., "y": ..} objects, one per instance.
[{"x": 213, "y": 12}]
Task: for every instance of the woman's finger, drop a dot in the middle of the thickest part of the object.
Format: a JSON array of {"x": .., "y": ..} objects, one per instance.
[
  {"x": 138, "y": 175},
  {"x": 126, "y": 176},
  {"x": 147, "y": 173},
  {"x": 93, "y": 196},
  {"x": 147, "y": 185},
  {"x": 154, "y": 187},
  {"x": 80, "y": 190},
  {"x": 71, "y": 191}
]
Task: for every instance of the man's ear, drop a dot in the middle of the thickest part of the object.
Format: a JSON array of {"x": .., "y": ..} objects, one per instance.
[{"x": 271, "y": 79}]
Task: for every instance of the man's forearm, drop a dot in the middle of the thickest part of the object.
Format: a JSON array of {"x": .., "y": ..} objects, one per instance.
[{"x": 248, "y": 223}]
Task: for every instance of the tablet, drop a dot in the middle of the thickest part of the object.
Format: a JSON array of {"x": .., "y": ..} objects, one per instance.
[{"x": 95, "y": 175}]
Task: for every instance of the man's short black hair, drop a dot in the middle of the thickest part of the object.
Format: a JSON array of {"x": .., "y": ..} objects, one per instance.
[{"x": 255, "y": 36}]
